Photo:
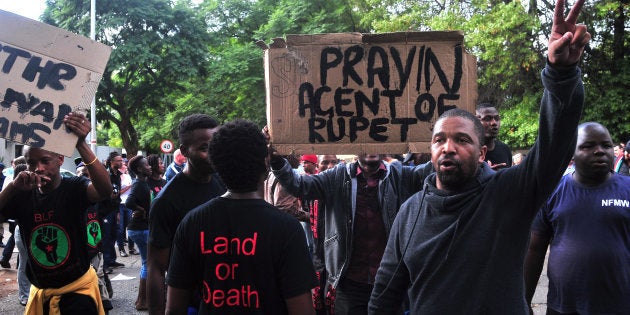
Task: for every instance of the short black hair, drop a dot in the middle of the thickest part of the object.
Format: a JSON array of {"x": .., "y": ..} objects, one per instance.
[
  {"x": 239, "y": 150},
  {"x": 458, "y": 112},
  {"x": 154, "y": 162},
  {"x": 484, "y": 105},
  {"x": 193, "y": 122},
  {"x": 594, "y": 126},
  {"x": 134, "y": 163}
]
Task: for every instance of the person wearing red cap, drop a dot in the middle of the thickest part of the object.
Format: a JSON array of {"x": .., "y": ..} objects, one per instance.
[
  {"x": 310, "y": 166},
  {"x": 309, "y": 163}
]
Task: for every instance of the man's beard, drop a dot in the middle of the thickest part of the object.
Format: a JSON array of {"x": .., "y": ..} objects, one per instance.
[
  {"x": 373, "y": 163},
  {"x": 454, "y": 179},
  {"x": 451, "y": 180}
]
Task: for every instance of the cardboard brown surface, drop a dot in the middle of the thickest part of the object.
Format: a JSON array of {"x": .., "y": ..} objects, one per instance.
[
  {"x": 356, "y": 93},
  {"x": 45, "y": 73}
]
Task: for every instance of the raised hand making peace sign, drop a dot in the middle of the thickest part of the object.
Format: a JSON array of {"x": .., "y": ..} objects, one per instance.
[{"x": 568, "y": 39}]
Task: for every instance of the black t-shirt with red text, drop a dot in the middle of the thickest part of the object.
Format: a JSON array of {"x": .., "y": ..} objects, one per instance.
[
  {"x": 244, "y": 255},
  {"x": 53, "y": 227}
]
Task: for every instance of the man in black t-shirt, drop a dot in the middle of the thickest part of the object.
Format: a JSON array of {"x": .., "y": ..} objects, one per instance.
[
  {"x": 50, "y": 211},
  {"x": 245, "y": 255},
  {"x": 110, "y": 225},
  {"x": 196, "y": 184},
  {"x": 94, "y": 221},
  {"x": 499, "y": 154}
]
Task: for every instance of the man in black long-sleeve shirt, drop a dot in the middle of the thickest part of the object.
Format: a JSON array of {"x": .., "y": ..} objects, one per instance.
[{"x": 458, "y": 246}]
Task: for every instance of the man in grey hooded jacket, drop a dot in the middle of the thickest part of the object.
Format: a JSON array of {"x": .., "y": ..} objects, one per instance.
[
  {"x": 339, "y": 191},
  {"x": 458, "y": 246}
]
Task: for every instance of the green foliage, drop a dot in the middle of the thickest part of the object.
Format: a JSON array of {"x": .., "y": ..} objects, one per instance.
[
  {"x": 171, "y": 60},
  {"x": 501, "y": 37},
  {"x": 309, "y": 17},
  {"x": 398, "y": 16},
  {"x": 156, "y": 45},
  {"x": 608, "y": 100},
  {"x": 519, "y": 124},
  {"x": 235, "y": 88},
  {"x": 607, "y": 68}
]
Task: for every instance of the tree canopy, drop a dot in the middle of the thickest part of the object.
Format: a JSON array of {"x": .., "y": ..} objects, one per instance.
[
  {"x": 171, "y": 59},
  {"x": 157, "y": 48}
]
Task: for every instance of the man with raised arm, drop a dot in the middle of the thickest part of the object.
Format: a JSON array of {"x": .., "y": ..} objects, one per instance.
[
  {"x": 51, "y": 213},
  {"x": 458, "y": 246}
]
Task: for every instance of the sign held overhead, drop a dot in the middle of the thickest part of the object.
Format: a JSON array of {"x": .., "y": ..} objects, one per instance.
[
  {"x": 45, "y": 73},
  {"x": 355, "y": 93}
]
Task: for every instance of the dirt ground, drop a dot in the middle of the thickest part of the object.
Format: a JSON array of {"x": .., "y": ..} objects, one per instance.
[
  {"x": 8, "y": 280},
  {"x": 8, "y": 277}
]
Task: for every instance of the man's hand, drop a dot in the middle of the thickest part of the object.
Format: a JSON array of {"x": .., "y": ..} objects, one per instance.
[
  {"x": 78, "y": 124},
  {"x": 27, "y": 180},
  {"x": 497, "y": 166},
  {"x": 273, "y": 154},
  {"x": 567, "y": 40}
]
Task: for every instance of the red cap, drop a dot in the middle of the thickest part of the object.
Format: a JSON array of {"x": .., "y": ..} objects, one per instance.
[{"x": 310, "y": 158}]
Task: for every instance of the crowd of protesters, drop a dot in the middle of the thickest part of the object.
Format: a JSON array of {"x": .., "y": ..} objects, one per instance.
[{"x": 232, "y": 227}]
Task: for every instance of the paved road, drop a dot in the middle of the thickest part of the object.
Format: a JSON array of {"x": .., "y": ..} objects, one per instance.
[{"x": 125, "y": 291}]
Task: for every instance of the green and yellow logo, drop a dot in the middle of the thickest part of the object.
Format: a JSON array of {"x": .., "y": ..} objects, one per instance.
[
  {"x": 50, "y": 245},
  {"x": 94, "y": 233}
]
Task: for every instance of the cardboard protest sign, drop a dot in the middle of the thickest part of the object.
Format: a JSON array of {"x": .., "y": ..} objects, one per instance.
[
  {"x": 45, "y": 73},
  {"x": 356, "y": 93}
]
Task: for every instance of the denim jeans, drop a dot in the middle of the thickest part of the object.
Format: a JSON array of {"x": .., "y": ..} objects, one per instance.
[
  {"x": 24, "y": 285},
  {"x": 7, "y": 252},
  {"x": 141, "y": 237},
  {"x": 124, "y": 217},
  {"x": 97, "y": 263}
]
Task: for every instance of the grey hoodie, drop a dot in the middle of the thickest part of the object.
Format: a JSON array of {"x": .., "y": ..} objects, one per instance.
[{"x": 336, "y": 189}]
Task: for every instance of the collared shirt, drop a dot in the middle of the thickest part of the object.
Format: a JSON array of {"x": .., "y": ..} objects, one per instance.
[{"x": 369, "y": 229}]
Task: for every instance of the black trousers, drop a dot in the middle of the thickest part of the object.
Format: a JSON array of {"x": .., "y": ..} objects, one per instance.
[
  {"x": 74, "y": 303},
  {"x": 352, "y": 297},
  {"x": 554, "y": 312}
]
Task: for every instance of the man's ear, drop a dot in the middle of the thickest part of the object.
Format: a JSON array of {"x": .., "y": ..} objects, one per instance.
[{"x": 482, "y": 153}]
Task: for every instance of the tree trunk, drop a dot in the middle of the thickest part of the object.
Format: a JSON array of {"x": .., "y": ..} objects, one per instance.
[
  {"x": 618, "y": 38},
  {"x": 129, "y": 136}
]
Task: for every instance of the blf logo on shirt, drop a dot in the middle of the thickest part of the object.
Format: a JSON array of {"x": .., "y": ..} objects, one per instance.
[
  {"x": 49, "y": 245},
  {"x": 94, "y": 233}
]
